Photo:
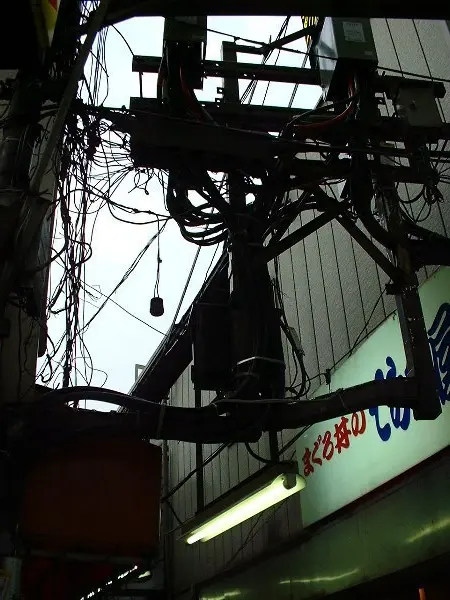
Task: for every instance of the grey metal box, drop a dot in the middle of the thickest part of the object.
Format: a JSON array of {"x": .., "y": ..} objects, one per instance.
[
  {"x": 418, "y": 106},
  {"x": 344, "y": 44}
]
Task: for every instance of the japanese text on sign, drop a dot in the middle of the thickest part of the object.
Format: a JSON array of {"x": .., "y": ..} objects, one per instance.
[{"x": 338, "y": 438}]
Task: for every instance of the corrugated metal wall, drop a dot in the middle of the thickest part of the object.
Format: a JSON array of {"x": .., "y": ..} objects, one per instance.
[
  {"x": 314, "y": 569},
  {"x": 330, "y": 287}
]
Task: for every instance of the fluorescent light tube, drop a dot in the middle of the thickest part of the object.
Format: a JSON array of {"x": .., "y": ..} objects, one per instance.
[{"x": 272, "y": 493}]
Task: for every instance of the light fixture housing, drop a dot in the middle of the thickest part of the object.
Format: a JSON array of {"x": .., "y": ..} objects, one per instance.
[{"x": 266, "y": 488}]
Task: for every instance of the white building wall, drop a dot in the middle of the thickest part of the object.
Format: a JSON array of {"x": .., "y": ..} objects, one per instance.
[{"x": 330, "y": 287}]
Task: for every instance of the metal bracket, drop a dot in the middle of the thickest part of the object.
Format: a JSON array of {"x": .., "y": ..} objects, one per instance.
[
  {"x": 274, "y": 250},
  {"x": 415, "y": 338},
  {"x": 345, "y": 220}
]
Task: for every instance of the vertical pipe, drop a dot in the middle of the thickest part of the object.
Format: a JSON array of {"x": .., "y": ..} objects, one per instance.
[
  {"x": 199, "y": 478},
  {"x": 240, "y": 278},
  {"x": 273, "y": 446},
  {"x": 243, "y": 330},
  {"x": 257, "y": 347},
  {"x": 167, "y": 526}
]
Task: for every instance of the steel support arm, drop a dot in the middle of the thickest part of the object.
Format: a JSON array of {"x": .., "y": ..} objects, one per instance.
[
  {"x": 388, "y": 84},
  {"x": 214, "y": 68},
  {"x": 359, "y": 236},
  {"x": 287, "y": 39},
  {"x": 273, "y": 118},
  {"x": 274, "y": 250},
  {"x": 167, "y": 131}
]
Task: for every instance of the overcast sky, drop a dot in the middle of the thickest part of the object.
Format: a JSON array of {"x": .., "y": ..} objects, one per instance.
[{"x": 116, "y": 341}]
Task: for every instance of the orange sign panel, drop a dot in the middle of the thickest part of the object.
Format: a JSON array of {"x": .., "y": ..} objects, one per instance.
[{"x": 94, "y": 496}]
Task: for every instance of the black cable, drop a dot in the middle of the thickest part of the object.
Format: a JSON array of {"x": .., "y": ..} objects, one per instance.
[
  {"x": 293, "y": 440},
  {"x": 186, "y": 285},
  {"x": 126, "y": 275},
  {"x": 196, "y": 225},
  {"x": 297, "y": 352},
  {"x": 211, "y": 263},
  {"x": 252, "y": 532},
  {"x": 394, "y": 46},
  {"x": 125, "y": 309},
  {"x": 250, "y": 450},
  {"x": 158, "y": 263},
  {"x": 259, "y": 43},
  {"x": 294, "y": 377},
  {"x": 181, "y": 483},
  {"x": 247, "y": 539},
  {"x": 124, "y": 39},
  {"x": 439, "y": 195},
  {"x": 415, "y": 75},
  {"x": 238, "y": 38},
  {"x": 172, "y": 510},
  {"x": 358, "y": 338},
  {"x": 251, "y": 87},
  {"x": 210, "y": 458}
]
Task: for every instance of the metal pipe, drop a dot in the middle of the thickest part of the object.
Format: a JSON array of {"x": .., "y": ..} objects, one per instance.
[
  {"x": 199, "y": 478},
  {"x": 46, "y": 425},
  {"x": 273, "y": 446},
  {"x": 167, "y": 526}
]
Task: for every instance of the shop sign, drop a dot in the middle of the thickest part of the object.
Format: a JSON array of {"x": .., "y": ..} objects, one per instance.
[{"x": 343, "y": 459}]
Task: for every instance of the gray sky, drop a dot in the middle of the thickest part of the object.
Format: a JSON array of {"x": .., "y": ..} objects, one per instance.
[{"x": 115, "y": 340}]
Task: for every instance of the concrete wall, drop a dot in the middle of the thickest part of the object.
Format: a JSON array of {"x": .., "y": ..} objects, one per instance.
[
  {"x": 19, "y": 350},
  {"x": 330, "y": 287}
]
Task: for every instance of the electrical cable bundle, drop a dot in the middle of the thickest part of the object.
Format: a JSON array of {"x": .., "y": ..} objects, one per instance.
[
  {"x": 197, "y": 200},
  {"x": 202, "y": 224},
  {"x": 93, "y": 165},
  {"x": 302, "y": 388},
  {"x": 426, "y": 247}
]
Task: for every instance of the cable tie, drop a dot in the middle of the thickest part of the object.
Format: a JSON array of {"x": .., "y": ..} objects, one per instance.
[{"x": 339, "y": 392}]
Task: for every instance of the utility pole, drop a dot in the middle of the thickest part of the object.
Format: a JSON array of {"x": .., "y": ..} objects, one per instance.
[
  {"x": 254, "y": 315},
  {"x": 26, "y": 207},
  {"x": 19, "y": 136},
  {"x": 19, "y": 332}
]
